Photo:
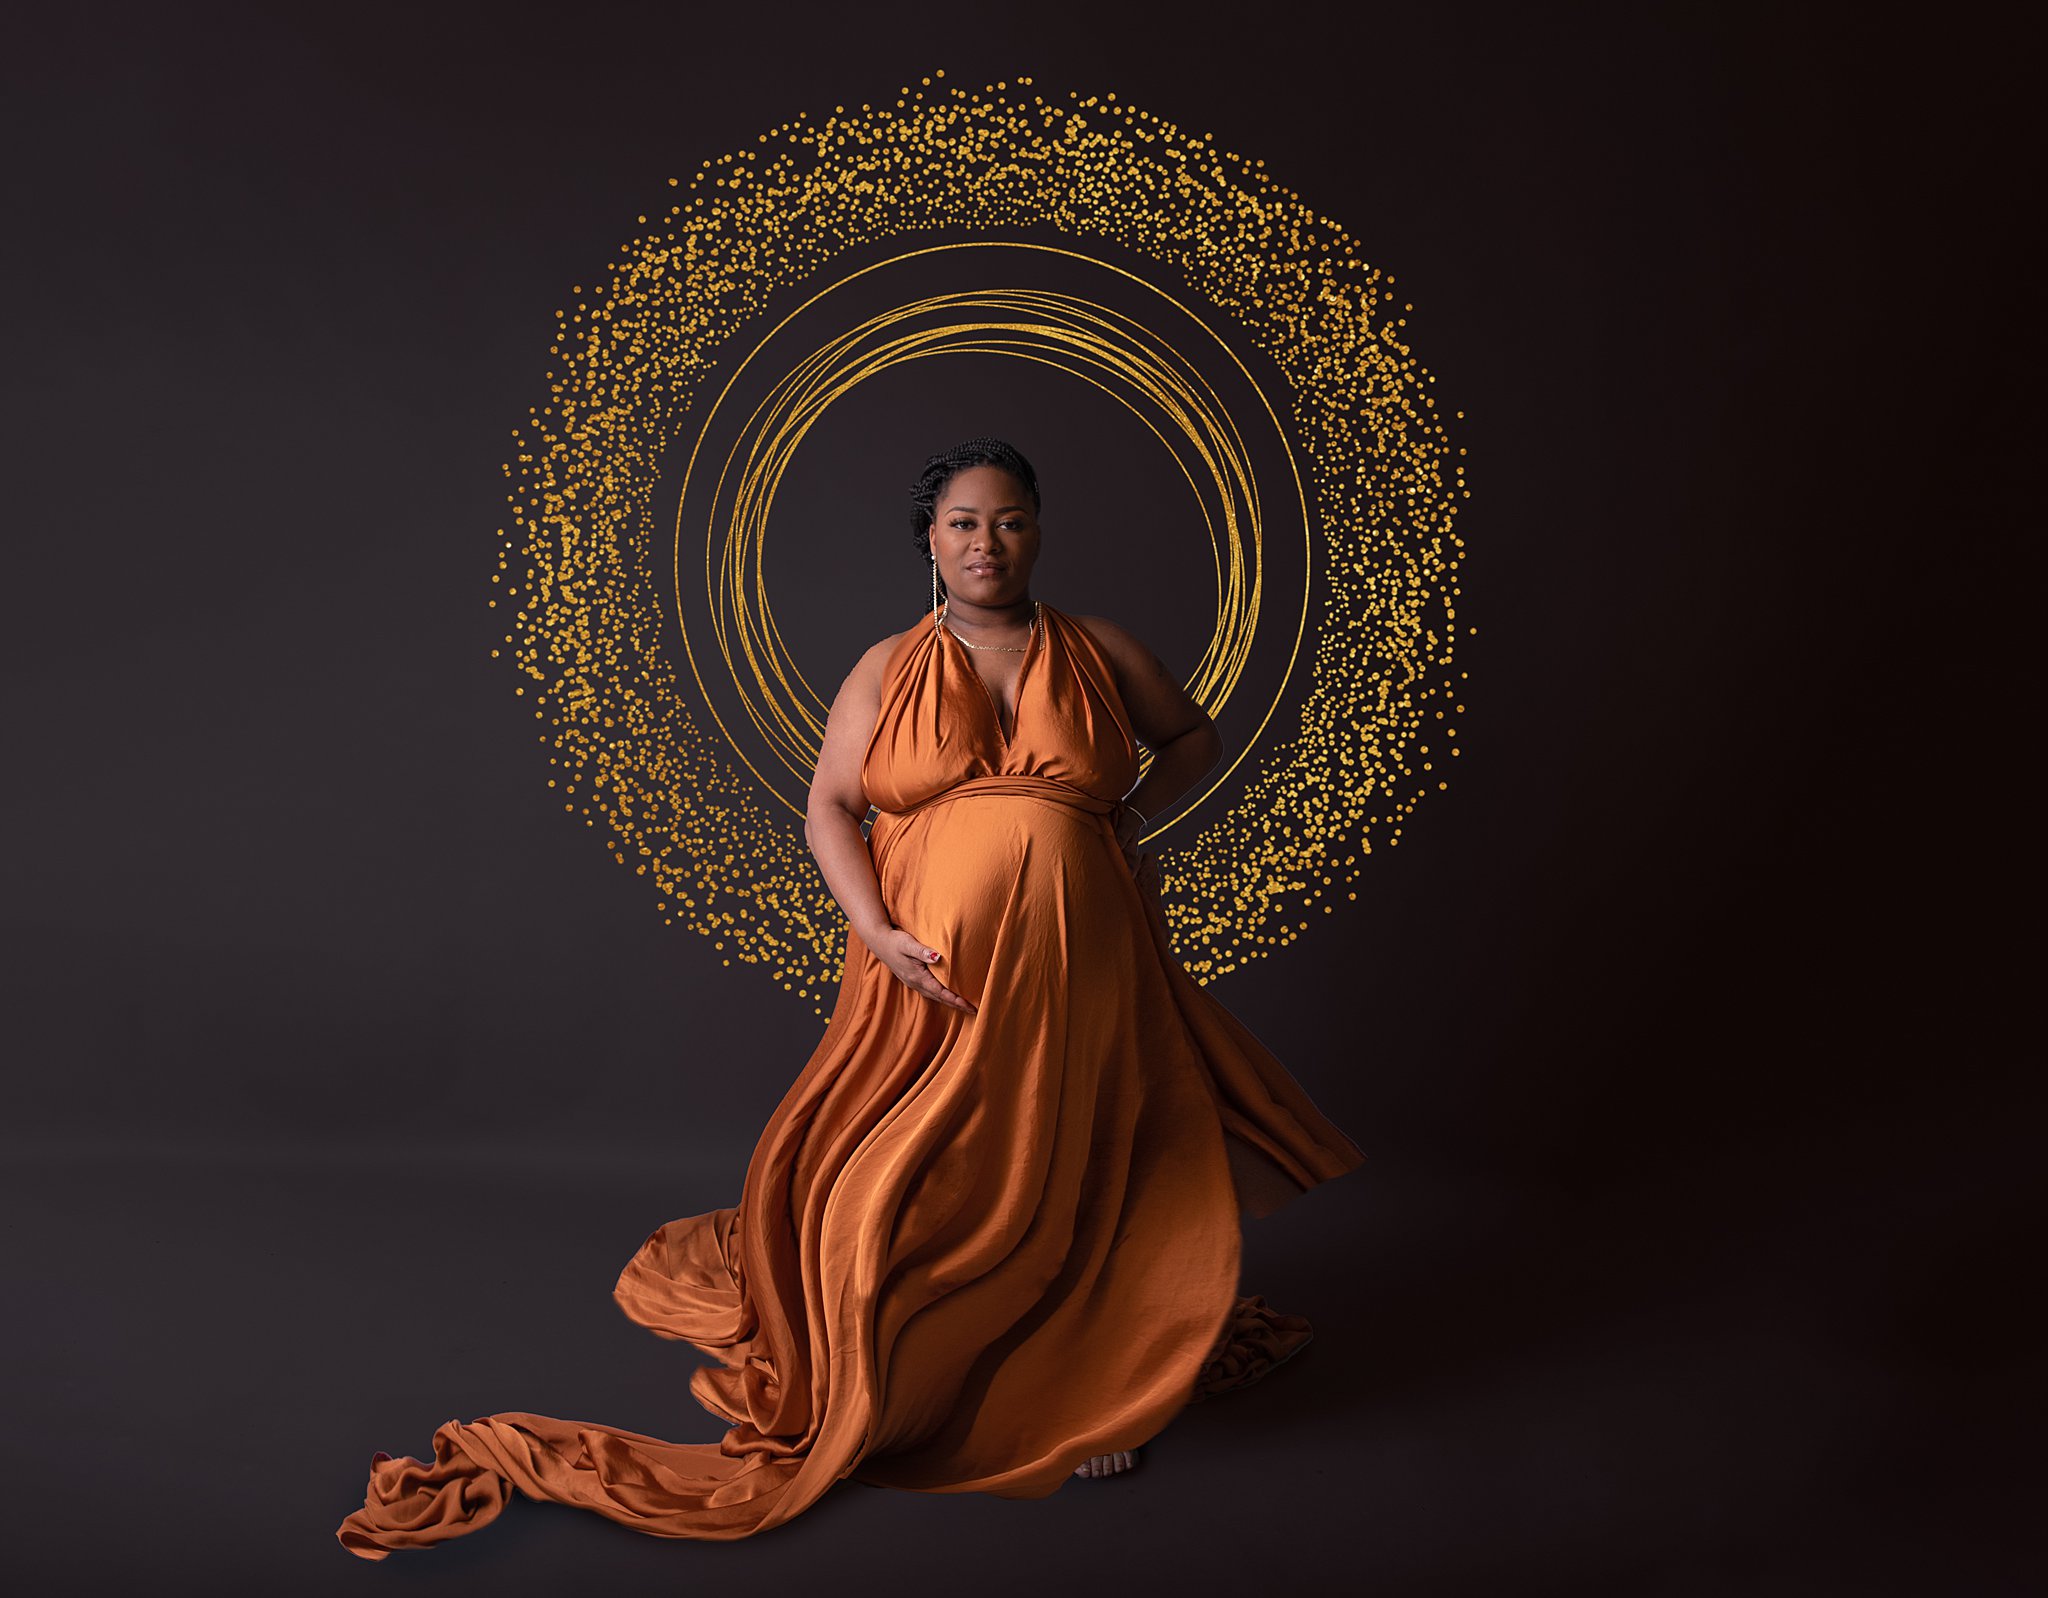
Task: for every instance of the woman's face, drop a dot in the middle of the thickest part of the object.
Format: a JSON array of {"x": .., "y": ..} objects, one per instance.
[{"x": 985, "y": 535}]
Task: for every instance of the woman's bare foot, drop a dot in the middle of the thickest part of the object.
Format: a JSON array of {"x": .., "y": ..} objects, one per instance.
[{"x": 1109, "y": 1464}]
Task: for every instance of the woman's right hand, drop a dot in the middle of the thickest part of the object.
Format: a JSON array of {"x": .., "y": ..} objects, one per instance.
[{"x": 911, "y": 960}]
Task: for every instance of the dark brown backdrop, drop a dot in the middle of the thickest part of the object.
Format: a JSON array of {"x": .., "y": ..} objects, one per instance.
[{"x": 346, "y": 1073}]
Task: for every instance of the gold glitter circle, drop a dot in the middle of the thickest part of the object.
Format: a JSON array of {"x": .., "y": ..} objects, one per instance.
[{"x": 580, "y": 566}]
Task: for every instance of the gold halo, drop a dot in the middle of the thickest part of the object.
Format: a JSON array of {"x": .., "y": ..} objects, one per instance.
[
  {"x": 579, "y": 584},
  {"x": 786, "y": 713}
]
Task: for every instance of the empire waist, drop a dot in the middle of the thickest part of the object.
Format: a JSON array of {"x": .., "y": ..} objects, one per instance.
[
  {"x": 1011, "y": 785},
  {"x": 1019, "y": 785}
]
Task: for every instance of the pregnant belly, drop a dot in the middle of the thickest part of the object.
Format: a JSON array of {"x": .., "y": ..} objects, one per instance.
[{"x": 1005, "y": 882}]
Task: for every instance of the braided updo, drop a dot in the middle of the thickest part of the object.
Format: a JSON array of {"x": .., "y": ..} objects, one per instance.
[{"x": 943, "y": 468}]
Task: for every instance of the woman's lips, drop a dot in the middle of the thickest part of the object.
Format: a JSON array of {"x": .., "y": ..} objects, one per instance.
[{"x": 987, "y": 571}]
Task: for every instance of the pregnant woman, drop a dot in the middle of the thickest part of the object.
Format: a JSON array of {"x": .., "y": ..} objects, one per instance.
[{"x": 989, "y": 1239}]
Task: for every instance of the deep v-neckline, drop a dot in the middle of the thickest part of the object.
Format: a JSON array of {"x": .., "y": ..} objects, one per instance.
[{"x": 995, "y": 710}]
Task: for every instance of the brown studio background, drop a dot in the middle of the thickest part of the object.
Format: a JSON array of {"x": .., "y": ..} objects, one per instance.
[{"x": 348, "y": 1072}]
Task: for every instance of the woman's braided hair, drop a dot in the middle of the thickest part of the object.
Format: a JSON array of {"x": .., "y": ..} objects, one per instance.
[{"x": 941, "y": 469}]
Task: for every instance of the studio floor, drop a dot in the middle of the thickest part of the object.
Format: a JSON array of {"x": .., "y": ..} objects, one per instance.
[{"x": 1507, "y": 1394}]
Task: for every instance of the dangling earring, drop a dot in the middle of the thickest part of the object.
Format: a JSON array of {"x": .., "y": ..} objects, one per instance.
[{"x": 935, "y": 590}]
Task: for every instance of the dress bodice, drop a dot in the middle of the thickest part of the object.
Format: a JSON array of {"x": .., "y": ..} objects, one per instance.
[{"x": 938, "y": 725}]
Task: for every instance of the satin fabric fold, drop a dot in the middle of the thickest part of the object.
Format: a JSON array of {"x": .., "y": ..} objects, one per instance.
[{"x": 970, "y": 1251}]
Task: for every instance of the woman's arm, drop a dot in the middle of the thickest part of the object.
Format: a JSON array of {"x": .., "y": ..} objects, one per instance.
[
  {"x": 1184, "y": 742},
  {"x": 837, "y": 806}
]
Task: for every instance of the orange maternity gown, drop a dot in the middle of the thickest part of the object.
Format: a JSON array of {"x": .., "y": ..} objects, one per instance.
[{"x": 970, "y": 1251}]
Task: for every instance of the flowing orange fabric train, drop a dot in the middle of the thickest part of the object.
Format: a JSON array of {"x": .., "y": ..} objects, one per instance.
[{"x": 970, "y": 1251}]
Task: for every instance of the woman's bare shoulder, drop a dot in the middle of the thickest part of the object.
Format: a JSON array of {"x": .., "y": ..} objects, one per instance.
[
  {"x": 867, "y": 671},
  {"x": 1156, "y": 701},
  {"x": 1116, "y": 642}
]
